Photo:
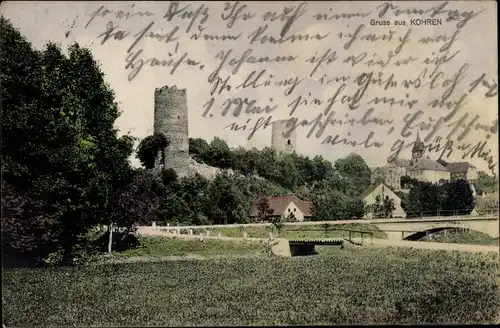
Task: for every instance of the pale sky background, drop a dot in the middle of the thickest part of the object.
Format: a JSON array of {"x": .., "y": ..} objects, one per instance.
[{"x": 47, "y": 21}]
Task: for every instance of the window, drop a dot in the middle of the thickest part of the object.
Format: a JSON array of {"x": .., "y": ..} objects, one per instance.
[
  {"x": 386, "y": 197},
  {"x": 289, "y": 210},
  {"x": 288, "y": 142},
  {"x": 295, "y": 210}
]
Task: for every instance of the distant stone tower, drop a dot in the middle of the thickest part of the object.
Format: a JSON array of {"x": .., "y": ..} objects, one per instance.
[
  {"x": 279, "y": 141},
  {"x": 171, "y": 119}
]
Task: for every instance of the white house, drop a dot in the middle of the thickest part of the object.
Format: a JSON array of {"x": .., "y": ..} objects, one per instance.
[{"x": 382, "y": 190}]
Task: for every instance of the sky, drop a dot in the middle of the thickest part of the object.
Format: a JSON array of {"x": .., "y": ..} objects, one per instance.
[{"x": 474, "y": 46}]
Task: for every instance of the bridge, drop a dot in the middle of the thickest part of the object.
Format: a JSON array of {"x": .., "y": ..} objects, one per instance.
[
  {"x": 396, "y": 229},
  {"x": 414, "y": 229}
]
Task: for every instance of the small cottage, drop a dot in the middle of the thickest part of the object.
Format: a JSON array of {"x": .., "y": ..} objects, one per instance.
[{"x": 283, "y": 207}]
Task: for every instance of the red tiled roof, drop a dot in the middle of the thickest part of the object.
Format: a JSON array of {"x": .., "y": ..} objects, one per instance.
[{"x": 279, "y": 205}]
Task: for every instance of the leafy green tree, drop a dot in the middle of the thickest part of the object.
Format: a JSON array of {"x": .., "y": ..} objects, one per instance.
[
  {"x": 263, "y": 209},
  {"x": 225, "y": 202},
  {"x": 288, "y": 171},
  {"x": 425, "y": 199},
  {"x": 183, "y": 201},
  {"x": 321, "y": 169},
  {"x": 268, "y": 165},
  {"x": 28, "y": 227},
  {"x": 404, "y": 200},
  {"x": 150, "y": 147},
  {"x": 60, "y": 145},
  {"x": 243, "y": 161},
  {"x": 486, "y": 183},
  {"x": 382, "y": 208},
  {"x": 199, "y": 149},
  {"x": 354, "y": 168},
  {"x": 219, "y": 154},
  {"x": 407, "y": 182},
  {"x": 331, "y": 204},
  {"x": 458, "y": 198},
  {"x": 254, "y": 187}
]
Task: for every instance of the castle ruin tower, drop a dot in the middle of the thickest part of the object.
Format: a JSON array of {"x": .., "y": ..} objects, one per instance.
[
  {"x": 171, "y": 119},
  {"x": 280, "y": 141}
]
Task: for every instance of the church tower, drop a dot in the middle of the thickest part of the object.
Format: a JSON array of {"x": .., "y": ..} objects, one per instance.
[{"x": 418, "y": 150}]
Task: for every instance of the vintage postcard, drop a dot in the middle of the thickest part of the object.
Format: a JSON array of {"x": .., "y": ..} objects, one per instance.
[{"x": 260, "y": 163}]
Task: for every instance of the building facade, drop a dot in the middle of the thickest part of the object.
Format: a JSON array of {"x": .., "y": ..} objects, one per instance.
[
  {"x": 384, "y": 192},
  {"x": 461, "y": 170},
  {"x": 422, "y": 168},
  {"x": 284, "y": 207}
]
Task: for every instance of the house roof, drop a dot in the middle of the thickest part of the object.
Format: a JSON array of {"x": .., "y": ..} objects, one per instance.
[
  {"x": 369, "y": 191},
  {"x": 427, "y": 164},
  {"x": 372, "y": 188},
  {"x": 279, "y": 205},
  {"x": 400, "y": 162},
  {"x": 460, "y": 167}
]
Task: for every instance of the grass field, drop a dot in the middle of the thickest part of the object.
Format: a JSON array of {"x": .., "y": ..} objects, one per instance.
[
  {"x": 297, "y": 232},
  {"x": 465, "y": 237},
  {"x": 355, "y": 286},
  {"x": 161, "y": 247}
]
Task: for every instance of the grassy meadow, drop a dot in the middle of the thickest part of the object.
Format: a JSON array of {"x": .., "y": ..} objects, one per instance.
[
  {"x": 349, "y": 286},
  {"x": 470, "y": 237},
  {"x": 163, "y": 247}
]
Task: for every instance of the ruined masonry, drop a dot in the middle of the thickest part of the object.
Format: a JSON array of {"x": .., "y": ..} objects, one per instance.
[
  {"x": 279, "y": 141},
  {"x": 171, "y": 119}
]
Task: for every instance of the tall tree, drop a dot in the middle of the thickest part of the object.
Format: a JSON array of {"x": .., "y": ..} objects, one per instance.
[
  {"x": 354, "y": 168},
  {"x": 225, "y": 201},
  {"x": 459, "y": 199},
  {"x": 60, "y": 145},
  {"x": 219, "y": 154},
  {"x": 331, "y": 204}
]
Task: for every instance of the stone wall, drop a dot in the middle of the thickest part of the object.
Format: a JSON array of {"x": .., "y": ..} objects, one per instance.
[
  {"x": 171, "y": 119},
  {"x": 279, "y": 141}
]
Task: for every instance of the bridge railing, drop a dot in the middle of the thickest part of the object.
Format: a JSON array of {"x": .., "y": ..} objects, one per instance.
[
  {"x": 440, "y": 213},
  {"x": 349, "y": 234},
  {"x": 362, "y": 233},
  {"x": 179, "y": 228}
]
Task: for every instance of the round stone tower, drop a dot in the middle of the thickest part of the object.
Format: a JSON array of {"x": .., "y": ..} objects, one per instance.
[
  {"x": 171, "y": 119},
  {"x": 280, "y": 141}
]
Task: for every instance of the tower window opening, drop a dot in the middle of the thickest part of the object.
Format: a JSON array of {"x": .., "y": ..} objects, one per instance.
[
  {"x": 288, "y": 142},
  {"x": 178, "y": 117}
]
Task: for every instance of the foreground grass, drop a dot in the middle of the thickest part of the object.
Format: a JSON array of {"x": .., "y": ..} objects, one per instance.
[
  {"x": 358, "y": 286},
  {"x": 161, "y": 247},
  {"x": 464, "y": 237},
  {"x": 298, "y": 232}
]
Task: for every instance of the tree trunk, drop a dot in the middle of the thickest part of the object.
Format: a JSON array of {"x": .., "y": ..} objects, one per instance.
[{"x": 110, "y": 243}]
